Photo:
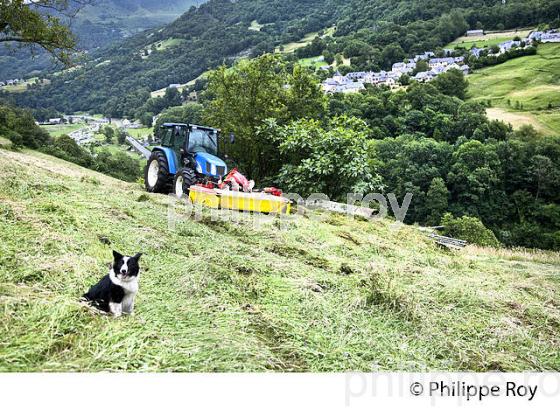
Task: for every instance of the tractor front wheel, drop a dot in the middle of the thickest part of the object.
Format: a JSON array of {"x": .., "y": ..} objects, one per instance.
[
  {"x": 156, "y": 173},
  {"x": 184, "y": 178}
]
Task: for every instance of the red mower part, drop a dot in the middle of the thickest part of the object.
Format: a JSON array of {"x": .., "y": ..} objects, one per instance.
[
  {"x": 208, "y": 185},
  {"x": 273, "y": 191},
  {"x": 237, "y": 180}
]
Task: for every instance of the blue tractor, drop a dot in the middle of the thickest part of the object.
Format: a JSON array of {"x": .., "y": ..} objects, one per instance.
[{"x": 188, "y": 155}]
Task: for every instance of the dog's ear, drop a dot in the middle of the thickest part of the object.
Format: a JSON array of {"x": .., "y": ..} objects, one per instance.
[
  {"x": 117, "y": 255},
  {"x": 137, "y": 256}
]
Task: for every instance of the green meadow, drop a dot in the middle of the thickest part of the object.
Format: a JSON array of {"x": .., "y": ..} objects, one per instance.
[
  {"x": 488, "y": 39},
  {"x": 316, "y": 292},
  {"x": 61, "y": 129},
  {"x": 528, "y": 87}
]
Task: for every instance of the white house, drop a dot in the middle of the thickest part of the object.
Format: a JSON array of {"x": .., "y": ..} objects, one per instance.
[
  {"x": 472, "y": 33},
  {"x": 424, "y": 76},
  {"x": 440, "y": 62},
  {"x": 508, "y": 45},
  {"x": 550, "y": 37}
]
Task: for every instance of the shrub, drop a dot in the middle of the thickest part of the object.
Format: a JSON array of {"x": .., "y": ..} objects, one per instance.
[
  {"x": 66, "y": 148},
  {"x": 470, "y": 229},
  {"x": 118, "y": 165}
]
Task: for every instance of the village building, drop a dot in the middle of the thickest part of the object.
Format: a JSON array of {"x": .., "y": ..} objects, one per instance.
[
  {"x": 426, "y": 56},
  {"x": 472, "y": 33},
  {"x": 508, "y": 45},
  {"x": 550, "y": 37}
]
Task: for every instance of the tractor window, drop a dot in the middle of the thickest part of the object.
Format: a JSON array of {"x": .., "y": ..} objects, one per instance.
[
  {"x": 166, "y": 139},
  {"x": 179, "y": 138},
  {"x": 203, "y": 141}
]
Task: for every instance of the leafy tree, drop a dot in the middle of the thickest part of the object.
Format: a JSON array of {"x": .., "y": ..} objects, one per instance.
[
  {"x": 404, "y": 79},
  {"x": 391, "y": 54},
  {"x": 409, "y": 164},
  {"x": 146, "y": 118},
  {"x": 305, "y": 99},
  {"x": 470, "y": 229},
  {"x": 66, "y": 148},
  {"x": 190, "y": 113},
  {"x": 37, "y": 23},
  {"x": 421, "y": 66},
  {"x": 436, "y": 199},
  {"x": 452, "y": 83},
  {"x": 242, "y": 97},
  {"x": 339, "y": 60},
  {"x": 119, "y": 165},
  {"x": 109, "y": 133},
  {"x": 172, "y": 97},
  {"x": 451, "y": 26},
  {"x": 544, "y": 174},
  {"x": 121, "y": 136},
  {"x": 474, "y": 180},
  {"x": 329, "y": 57},
  {"x": 18, "y": 125},
  {"x": 333, "y": 160}
]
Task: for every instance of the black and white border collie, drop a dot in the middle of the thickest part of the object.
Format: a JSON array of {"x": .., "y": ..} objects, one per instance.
[{"x": 115, "y": 293}]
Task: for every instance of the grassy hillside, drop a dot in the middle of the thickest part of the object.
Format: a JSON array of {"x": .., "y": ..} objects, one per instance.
[
  {"x": 61, "y": 129},
  {"x": 222, "y": 296},
  {"x": 532, "y": 81},
  {"x": 488, "y": 39}
]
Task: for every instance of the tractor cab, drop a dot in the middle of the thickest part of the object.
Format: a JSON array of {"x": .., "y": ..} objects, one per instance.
[{"x": 188, "y": 154}]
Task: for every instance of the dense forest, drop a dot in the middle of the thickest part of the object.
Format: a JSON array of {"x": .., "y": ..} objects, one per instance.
[{"x": 371, "y": 33}]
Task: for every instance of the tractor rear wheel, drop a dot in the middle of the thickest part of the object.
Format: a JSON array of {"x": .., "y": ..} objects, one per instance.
[
  {"x": 184, "y": 178},
  {"x": 156, "y": 174}
]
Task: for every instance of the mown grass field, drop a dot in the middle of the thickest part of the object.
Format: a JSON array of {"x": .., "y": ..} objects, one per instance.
[
  {"x": 533, "y": 82},
  {"x": 21, "y": 87},
  {"x": 307, "y": 39},
  {"x": 60, "y": 129},
  {"x": 328, "y": 295},
  {"x": 313, "y": 62},
  {"x": 140, "y": 133},
  {"x": 488, "y": 39}
]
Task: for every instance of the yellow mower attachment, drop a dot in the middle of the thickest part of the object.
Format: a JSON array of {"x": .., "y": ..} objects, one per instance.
[
  {"x": 204, "y": 196},
  {"x": 240, "y": 201}
]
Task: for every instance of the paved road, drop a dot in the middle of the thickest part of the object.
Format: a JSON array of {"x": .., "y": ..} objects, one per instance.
[{"x": 138, "y": 147}]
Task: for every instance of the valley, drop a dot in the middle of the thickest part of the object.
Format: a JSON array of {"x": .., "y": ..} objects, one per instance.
[{"x": 375, "y": 105}]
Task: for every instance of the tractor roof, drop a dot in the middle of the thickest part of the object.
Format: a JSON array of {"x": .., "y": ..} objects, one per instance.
[{"x": 175, "y": 124}]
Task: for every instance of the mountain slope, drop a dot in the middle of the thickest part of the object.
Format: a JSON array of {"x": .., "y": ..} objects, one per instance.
[
  {"x": 96, "y": 25},
  {"x": 327, "y": 295},
  {"x": 221, "y": 30}
]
